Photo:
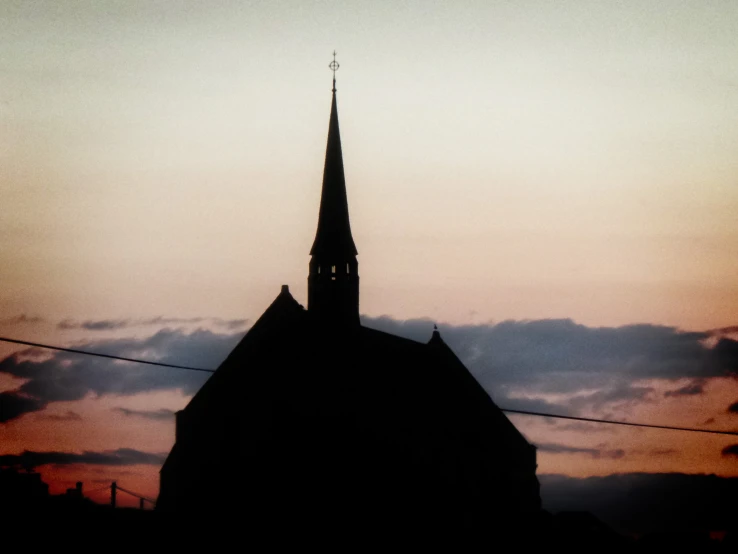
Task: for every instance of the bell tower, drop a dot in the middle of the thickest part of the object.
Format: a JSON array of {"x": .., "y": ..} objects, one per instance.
[{"x": 333, "y": 280}]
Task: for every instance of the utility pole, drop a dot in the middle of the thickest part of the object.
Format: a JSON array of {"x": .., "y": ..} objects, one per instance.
[{"x": 113, "y": 490}]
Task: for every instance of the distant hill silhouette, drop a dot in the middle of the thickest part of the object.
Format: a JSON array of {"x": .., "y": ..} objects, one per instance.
[{"x": 648, "y": 502}]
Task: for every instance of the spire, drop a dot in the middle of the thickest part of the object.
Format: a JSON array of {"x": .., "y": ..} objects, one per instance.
[
  {"x": 333, "y": 281},
  {"x": 333, "y": 236}
]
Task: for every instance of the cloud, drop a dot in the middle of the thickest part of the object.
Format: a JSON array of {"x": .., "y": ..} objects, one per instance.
[
  {"x": 554, "y": 448},
  {"x": 159, "y": 415},
  {"x": 559, "y": 356},
  {"x": 694, "y": 388},
  {"x": 723, "y": 331},
  {"x": 120, "y": 457},
  {"x": 726, "y": 352},
  {"x": 65, "y": 376},
  {"x": 99, "y": 325},
  {"x": 731, "y": 450},
  {"x": 161, "y": 321},
  {"x": 69, "y": 415},
  {"x": 231, "y": 324},
  {"x": 107, "y": 480},
  {"x": 531, "y": 404},
  {"x": 621, "y": 395},
  {"x": 551, "y": 365},
  {"x": 22, "y": 319},
  {"x": 581, "y": 426},
  {"x": 663, "y": 451},
  {"x": 14, "y": 404}
]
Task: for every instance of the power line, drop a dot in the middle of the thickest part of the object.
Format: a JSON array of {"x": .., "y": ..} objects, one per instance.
[
  {"x": 135, "y": 494},
  {"x": 612, "y": 422},
  {"x": 109, "y": 356},
  {"x": 522, "y": 412}
]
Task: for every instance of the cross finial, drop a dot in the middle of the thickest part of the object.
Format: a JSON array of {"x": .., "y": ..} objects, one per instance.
[{"x": 334, "y": 67}]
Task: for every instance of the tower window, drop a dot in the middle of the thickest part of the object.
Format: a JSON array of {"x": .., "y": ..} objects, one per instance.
[
  {"x": 333, "y": 269},
  {"x": 347, "y": 268},
  {"x": 318, "y": 269}
]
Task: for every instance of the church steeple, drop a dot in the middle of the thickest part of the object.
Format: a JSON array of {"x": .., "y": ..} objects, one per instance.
[
  {"x": 334, "y": 230},
  {"x": 333, "y": 282}
]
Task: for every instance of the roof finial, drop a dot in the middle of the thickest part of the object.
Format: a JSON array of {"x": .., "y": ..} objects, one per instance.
[
  {"x": 334, "y": 67},
  {"x": 436, "y": 336}
]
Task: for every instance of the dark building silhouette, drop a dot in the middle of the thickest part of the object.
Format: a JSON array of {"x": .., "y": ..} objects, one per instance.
[
  {"x": 21, "y": 489},
  {"x": 314, "y": 420}
]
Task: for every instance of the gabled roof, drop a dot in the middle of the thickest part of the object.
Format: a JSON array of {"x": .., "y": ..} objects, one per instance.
[
  {"x": 281, "y": 315},
  {"x": 405, "y": 391}
]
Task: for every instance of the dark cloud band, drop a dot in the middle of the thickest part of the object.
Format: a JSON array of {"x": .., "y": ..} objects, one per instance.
[
  {"x": 65, "y": 376},
  {"x": 120, "y": 457},
  {"x": 115, "y": 324},
  {"x": 157, "y": 415},
  {"x": 517, "y": 362}
]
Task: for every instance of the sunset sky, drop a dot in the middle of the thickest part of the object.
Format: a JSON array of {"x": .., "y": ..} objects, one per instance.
[{"x": 554, "y": 183}]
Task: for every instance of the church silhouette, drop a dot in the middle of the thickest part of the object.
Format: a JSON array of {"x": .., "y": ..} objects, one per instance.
[{"x": 318, "y": 422}]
